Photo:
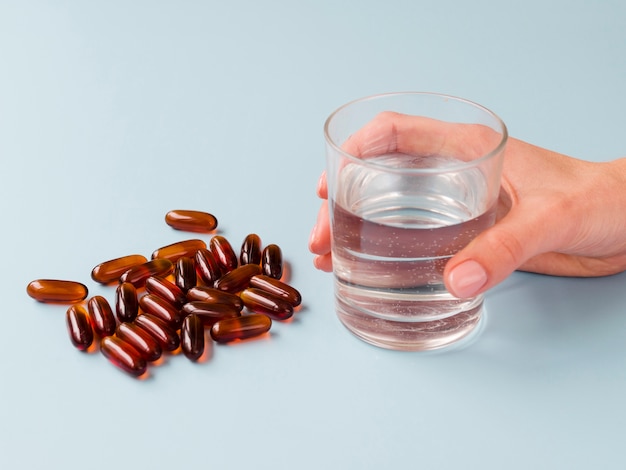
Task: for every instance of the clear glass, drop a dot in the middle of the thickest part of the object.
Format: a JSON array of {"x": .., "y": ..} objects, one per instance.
[{"x": 412, "y": 178}]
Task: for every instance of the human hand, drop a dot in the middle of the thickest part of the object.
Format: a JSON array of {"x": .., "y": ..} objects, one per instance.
[{"x": 557, "y": 215}]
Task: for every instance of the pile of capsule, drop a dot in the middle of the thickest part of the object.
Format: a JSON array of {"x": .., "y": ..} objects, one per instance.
[{"x": 166, "y": 303}]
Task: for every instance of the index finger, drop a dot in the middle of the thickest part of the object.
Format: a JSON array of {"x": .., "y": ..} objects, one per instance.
[{"x": 392, "y": 132}]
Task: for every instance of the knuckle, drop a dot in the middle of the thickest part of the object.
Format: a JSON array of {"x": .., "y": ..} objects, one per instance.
[{"x": 506, "y": 246}]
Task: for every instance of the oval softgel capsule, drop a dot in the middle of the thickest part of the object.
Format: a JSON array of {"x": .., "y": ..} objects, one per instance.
[
  {"x": 191, "y": 221},
  {"x": 57, "y": 291}
]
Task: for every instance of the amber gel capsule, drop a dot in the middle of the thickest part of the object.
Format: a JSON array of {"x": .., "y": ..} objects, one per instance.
[
  {"x": 210, "y": 312},
  {"x": 185, "y": 273},
  {"x": 210, "y": 294},
  {"x": 123, "y": 355},
  {"x": 166, "y": 336},
  {"x": 166, "y": 290},
  {"x": 139, "y": 339},
  {"x": 53, "y": 290},
  {"x": 207, "y": 267},
  {"x": 238, "y": 279},
  {"x": 272, "y": 261},
  {"x": 162, "y": 309},
  {"x": 126, "y": 304},
  {"x": 191, "y": 221},
  {"x": 78, "y": 327},
  {"x": 178, "y": 249},
  {"x": 247, "y": 326},
  {"x": 276, "y": 287},
  {"x": 260, "y": 301},
  {"x": 224, "y": 253},
  {"x": 192, "y": 337},
  {"x": 250, "y": 250},
  {"x": 138, "y": 275},
  {"x": 101, "y": 315},
  {"x": 110, "y": 271}
]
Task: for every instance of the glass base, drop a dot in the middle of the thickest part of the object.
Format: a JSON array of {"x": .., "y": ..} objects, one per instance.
[{"x": 456, "y": 330}]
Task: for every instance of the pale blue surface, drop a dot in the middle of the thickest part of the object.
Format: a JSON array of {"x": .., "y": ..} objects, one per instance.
[{"x": 113, "y": 113}]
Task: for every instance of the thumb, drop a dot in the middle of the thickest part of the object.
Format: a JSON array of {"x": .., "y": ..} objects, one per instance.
[{"x": 494, "y": 254}]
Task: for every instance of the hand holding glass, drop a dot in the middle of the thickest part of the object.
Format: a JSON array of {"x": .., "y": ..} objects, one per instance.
[{"x": 412, "y": 179}]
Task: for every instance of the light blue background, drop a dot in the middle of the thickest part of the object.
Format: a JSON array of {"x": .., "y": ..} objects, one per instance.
[{"x": 113, "y": 113}]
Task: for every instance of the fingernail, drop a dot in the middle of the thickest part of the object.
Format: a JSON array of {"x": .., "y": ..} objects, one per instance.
[
  {"x": 312, "y": 237},
  {"x": 322, "y": 190},
  {"x": 321, "y": 180},
  {"x": 323, "y": 263},
  {"x": 316, "y": 262},
  {"x": 467, "y": 279}
]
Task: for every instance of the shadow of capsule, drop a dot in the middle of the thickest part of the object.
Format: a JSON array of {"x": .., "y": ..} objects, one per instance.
[
  {"x": 286, "y": 274},
  {"x": 207, "y": 353}
]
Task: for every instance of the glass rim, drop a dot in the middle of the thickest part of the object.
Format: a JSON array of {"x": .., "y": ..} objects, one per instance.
[{"x": 455, "y": 167}]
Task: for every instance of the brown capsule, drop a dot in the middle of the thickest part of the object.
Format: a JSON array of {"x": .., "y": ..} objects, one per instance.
[
  {"x": 210, "y": 294},
  {"x": 185, "y": 273},
  {"x": 207, "y": 267},
  {"x": 101, "y": 315},
  {"x": 247, "y": 326},
  {"x": 178, "y": 249},
  {"x": 238, "y": 279},
  {"x": 192, "y": 337},
  {"x": 250, "y": 250},
  {"x": 276, "y": 287},
  {"x": 110, "y": 271},
  {"x": 166, "y": 290},
  {"x": 162, "y": 309},
  {"x": 166, "y": 336},
  {"x": 223, "y": 252},
  {"x": 123, "y": 355},
  {"x": 138, "y": 275},
  {"x": 272, "y": 261},
  {"x": 139, "y": 339},
  {"x": 78, "y": 327},
  {"x": 260, "y": 301},
  {"x": 57, "y": 291},
  {"x": 210, "y": 312},
  {"x": 191, "y": 221},
  {"x": 126, "y": 303}
]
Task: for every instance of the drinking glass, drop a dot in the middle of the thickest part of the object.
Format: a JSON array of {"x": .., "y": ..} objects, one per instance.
[{"x": 412, "y": 179}]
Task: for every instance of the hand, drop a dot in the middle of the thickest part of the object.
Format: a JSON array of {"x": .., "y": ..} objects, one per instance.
[{"x": 557, "y": 215}]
